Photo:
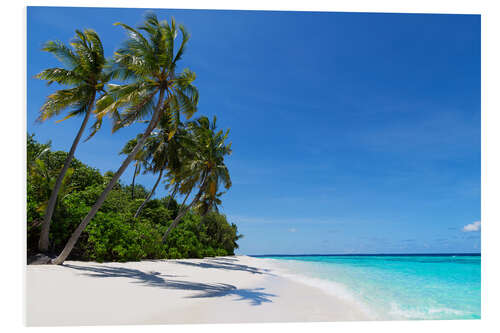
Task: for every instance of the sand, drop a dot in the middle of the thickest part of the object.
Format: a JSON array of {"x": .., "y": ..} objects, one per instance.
[{"x": 237, "y": 289}]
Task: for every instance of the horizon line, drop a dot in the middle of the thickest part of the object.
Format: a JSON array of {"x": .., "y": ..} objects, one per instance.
[{"x": 369, "y": 254}]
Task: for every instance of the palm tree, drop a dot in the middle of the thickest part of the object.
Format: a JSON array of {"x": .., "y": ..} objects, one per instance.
[
  {"x": 83, "y": 72},
  {"x": 206, "y": 168},
  {"x": 207, "y": 204},
  {"x": 139, "y": 160},
  {"x": 148, "y": 65},
  {"x": 41, "y": 174},
  {"x": 163, "y": 153}
]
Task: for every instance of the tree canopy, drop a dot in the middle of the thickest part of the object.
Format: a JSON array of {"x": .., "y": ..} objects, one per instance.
[
  {"x": 140, "y": 83},
  {"x": 114, "y": 234}
]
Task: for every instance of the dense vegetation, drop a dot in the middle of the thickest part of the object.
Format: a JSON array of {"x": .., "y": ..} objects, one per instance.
[
  {"x": 114, "y": 234},
  {"x": 73, "y": 209}
]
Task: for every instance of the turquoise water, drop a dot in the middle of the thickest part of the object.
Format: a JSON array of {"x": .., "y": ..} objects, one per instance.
[{"x": 399, "y": 286}]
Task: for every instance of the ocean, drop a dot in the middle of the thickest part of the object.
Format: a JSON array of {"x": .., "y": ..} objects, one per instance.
[{"x": 395, "y": 287}]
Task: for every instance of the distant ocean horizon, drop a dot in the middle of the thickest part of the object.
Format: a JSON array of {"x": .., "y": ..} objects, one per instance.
[
  {"x": 407, "y": 286},
  {"x": 365, "y": 254}
]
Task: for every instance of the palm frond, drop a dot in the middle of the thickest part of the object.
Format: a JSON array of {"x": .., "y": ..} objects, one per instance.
[
  {"x": 61, "y": 52},
  {"x": 59, "y": 75},
  {"x": 139, "y": 105},
  {"x": 85, "y": 64},
  {"x": 61, "y": 100},
  {"x": 185, "y": 38}
]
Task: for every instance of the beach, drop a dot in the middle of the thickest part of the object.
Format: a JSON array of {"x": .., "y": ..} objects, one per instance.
[{"x": 237, "y": 289}]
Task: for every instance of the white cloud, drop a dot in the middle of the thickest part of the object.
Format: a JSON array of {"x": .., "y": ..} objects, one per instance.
[
  {"x": 292, "y": 230},
  {"x": 472, "y": 227}
]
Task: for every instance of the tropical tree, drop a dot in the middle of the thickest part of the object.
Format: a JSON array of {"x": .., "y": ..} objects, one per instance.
[
  {"x": 153, "y": 88},
  {"x": 164, "y": 153},
  {"x": 205, "y": 169},
  {"x": 83, "y": 72},
  {"x": 40, "y": 174},
  {"x": 139, "y": 161},
  {"x": 209, "y": 203}
]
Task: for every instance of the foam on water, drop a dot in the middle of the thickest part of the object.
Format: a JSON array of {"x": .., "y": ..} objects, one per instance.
[
  {"x": 331, "y": 287},
  {"x": 395, "y": 287}
]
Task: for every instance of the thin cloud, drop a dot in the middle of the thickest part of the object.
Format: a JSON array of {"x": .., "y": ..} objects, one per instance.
[
  {"x": 476, "y": 226},
  {"x": 289, "y": 221},
  {"x": 473, "y": 236},
  {"x": 440, "y": 240},
  {"x": 292, "y": 230}
]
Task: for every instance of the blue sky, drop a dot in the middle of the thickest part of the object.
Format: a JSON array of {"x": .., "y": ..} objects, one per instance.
[{"x": 352, "y": 132}]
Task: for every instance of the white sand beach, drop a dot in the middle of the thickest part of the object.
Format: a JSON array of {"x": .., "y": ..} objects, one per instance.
[{"x": 237, "y": 289}]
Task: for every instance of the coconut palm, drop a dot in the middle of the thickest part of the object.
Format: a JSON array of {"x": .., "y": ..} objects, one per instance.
[
  {"x": 40, "y": 172},
  {"x": 139, "y": 161},
  {"x": 83, "y": 72},
  {"x": 153, "y": 89},
  {"x": 207, "y": 204},
  {"x": 153, "y": 167},
  {"x": 205, "y": 169},
  {"x": 163, "y": 152}
]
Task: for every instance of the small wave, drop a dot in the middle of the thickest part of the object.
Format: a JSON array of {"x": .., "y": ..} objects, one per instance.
[
  {"x": 331, "y": 287},
  {"x": 392, "y": 293},
  {"x": 431, "y": 313},
  {"x": 446, "y": 311}
]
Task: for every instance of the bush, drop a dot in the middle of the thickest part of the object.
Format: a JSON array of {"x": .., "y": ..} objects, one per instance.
[
  {"x": 113, "y": 234},
  {"x": 112, "y": 238}
]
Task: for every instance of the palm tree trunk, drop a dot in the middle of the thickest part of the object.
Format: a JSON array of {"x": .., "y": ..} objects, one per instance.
[
  {"x": 201, "y": 220},
  {"x": 149, "y": 195},
  {"x": 76, "y": 234},
  {"x": 172, "y": 195},
  {"x": 43, "y": 243},
  {"x": 182, "y": 213},
  {"x": 133, "y": 180}
]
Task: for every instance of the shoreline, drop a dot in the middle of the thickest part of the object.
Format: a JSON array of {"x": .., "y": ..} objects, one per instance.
[{"x": 237, "y": 289}]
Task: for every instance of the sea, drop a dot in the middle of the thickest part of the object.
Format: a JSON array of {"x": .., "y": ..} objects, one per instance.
[{"x": 395, "y": 287}]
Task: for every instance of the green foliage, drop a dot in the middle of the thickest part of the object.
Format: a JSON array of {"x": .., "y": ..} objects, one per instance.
[
  {"x": 220, "y": 233},
  {"x": 81, "y": 72},
  {"x": 147, "y": 65},
  {"x": 114, "y": 235}
]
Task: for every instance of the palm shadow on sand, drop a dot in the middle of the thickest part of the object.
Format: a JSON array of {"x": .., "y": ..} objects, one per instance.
[
  {"x": 256, "y": 296},
  {"x": 224, "y": 263}
]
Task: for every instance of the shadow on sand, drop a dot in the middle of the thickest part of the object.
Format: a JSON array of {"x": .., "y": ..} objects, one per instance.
[
  {"x": 255, "y": 296},
  {"x": 224, "y": 263}
]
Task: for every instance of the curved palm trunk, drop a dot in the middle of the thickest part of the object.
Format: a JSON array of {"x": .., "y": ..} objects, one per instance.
[
  {"x": 43, "y": 243},
  {"x": 149, "y": 195},
  {"x": 133, "y": 180},
  {"x": 201, "y": 220},
  {"x": 216, "y": 209},
  {"x": 76, "y": 234},
  {"x": 172, "y": 195},
  {"x": 182, "y": 213}
]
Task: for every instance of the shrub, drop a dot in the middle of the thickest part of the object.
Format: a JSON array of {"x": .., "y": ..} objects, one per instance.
[{"x": 113, "y": 234}]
